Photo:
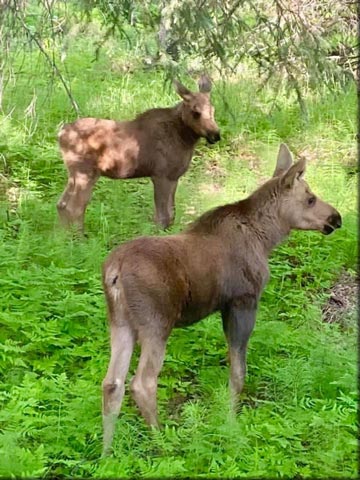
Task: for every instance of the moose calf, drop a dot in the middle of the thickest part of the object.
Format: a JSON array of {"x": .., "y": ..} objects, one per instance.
[
  {"x": 219, "y": 263},
  {"x": 159, "y": 144}
]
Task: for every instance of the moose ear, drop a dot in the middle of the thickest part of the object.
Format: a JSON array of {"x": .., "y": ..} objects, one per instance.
[
  {"x": 296, "y": 172},
  {"x": 284, "y": 160},
  {"x": 184, "y": 92},
  {"x": 204, "y": 84}
]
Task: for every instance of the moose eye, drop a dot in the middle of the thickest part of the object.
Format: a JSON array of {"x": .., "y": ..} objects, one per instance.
[
  {"x": 311, "y": 201},
  {"x": 196, "y": 114}
]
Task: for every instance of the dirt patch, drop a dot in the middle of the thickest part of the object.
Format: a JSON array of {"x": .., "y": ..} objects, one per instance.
[
  {"x": 251, "y": 160},
  {"x": 210, "y": 188},
  {"x": 214, "y": 169},
  {"x": 345, "y": 159},
  {"x": 341, "y": 306},
  {"x": 191, "y": 210},
  {"x": 241, "y": 152},
  {"x": 310, "y": 155}
]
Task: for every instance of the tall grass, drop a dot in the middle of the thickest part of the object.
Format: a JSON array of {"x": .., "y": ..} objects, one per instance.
[{"x": 298, "y": 414}]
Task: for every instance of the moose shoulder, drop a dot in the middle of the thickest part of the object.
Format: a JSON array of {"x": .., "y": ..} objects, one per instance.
[
  {"x": 158, "y": 143},
  {"x": 220, "y": 263}
]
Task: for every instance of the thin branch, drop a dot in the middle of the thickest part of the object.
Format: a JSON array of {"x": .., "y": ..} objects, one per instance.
[{"x": 49, "y": 60}]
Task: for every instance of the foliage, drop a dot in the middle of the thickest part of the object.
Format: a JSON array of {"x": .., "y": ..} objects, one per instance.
[
  {"x": 298, "y": 411},
  {"x": 297, "y": 43}
]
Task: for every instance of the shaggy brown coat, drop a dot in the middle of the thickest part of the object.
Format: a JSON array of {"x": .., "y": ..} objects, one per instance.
[
  {"x": 159, "y": 144},
  {"x": 219, "y": 263}
]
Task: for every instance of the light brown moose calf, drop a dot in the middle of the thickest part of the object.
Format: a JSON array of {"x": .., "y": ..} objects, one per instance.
[
  {"x": 220, "y": 263},
  {"x": 159, "y": 144}
]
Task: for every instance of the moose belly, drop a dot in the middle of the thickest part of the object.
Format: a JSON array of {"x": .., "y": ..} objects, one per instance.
[
  {"x": 193, "y": 313},
  {"x": 125, "y": 171}
]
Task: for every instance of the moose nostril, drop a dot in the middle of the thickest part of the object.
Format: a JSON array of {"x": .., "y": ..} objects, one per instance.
[
  {"x": 213, "y": 137},
  {"x": 216, "y": 136},
  {"x": 335, "y": 220}
]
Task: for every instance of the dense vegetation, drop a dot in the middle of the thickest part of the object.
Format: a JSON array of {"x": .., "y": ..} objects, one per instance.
[{"x": 298, "y": 411}]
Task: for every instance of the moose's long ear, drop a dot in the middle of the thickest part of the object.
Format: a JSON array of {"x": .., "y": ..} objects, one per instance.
[
  {"x": 284, "y": 160},
  {"x": 295, "y": 173},
  {"x": 204, "y": 84},
  {"x": 184, "y": 92}
]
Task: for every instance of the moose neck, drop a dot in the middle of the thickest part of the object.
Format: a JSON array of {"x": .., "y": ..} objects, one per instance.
[
  {"x": 267, "y": 228},
  {"x": 186, "y": 133},
  {"x": 261, "y": 213},
  {"x": 256, "y": 218}
]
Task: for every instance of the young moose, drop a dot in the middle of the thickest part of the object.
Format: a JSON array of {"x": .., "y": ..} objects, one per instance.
[
  {"x": 159, "y": 144},
  {"x": 153, "y": 284}
]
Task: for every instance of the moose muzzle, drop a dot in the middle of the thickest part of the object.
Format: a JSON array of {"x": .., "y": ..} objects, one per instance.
[
  {"x": 213, "y": 137},
  {"x": 333, "y": 222}
]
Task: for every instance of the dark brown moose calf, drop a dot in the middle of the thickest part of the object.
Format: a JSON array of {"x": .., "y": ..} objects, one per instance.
[
  {"x": 159, "y": 144},
  {"x": 220, "y": 262}
]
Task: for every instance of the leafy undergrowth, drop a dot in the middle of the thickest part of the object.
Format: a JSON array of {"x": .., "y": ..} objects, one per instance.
[{"x": 298, "y": 410}]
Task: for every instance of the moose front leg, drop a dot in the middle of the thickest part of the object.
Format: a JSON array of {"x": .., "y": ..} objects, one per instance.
[
  {"x": 164, "y": 196},
  {"x": 238, "y": 324}
]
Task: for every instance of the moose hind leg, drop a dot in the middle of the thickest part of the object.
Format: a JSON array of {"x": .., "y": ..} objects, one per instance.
[
  {"x": 73, "y": 203},
  {"x": 63, "y": 201},
  {"x": 144, "y": 384},
  {"x": 122, "y": 346}
]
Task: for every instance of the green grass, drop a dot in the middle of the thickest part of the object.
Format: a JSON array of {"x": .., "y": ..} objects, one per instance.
[{"x": 298, "y": 411}]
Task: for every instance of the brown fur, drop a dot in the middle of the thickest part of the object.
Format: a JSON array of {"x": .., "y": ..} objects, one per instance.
[
  {"x": 220, "y": 263},
  {"x": 158, "y": 143}
]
